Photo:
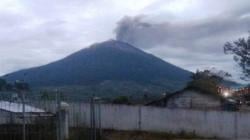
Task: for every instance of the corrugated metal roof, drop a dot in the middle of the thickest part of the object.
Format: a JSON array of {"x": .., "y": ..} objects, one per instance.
[{"x": 18, "y": 108}]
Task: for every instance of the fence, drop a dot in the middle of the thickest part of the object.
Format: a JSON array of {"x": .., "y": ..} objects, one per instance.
[
  {"x": 26, "y": 118},
  {"x": 92, "y": 117},
  {"x": 84, "y": 122},
  {"x": 29, "y": 117},
  {"x": 21, "y": 121},
  {"x": 201, "y": 122}
]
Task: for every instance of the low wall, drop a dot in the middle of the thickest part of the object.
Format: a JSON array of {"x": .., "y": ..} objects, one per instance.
[{"x": 204, "y": 123}]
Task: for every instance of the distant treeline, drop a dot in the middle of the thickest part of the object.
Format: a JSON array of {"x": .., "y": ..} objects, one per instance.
[{"x": 17, "y": 85}]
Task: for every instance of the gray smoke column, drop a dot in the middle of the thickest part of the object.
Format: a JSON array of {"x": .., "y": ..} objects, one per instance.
[
  {"x": 204, "y": 35},
  {"x": 191, "y": 44},
  {"x": 135, "y": 31}
]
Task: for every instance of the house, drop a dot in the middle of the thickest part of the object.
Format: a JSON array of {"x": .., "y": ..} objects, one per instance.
[
  {"x": 12, "y": 112},
  {"x": 191, "y": 99},
  {"x": 35, "y": 121}
]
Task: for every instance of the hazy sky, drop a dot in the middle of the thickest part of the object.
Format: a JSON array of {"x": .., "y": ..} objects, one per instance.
[{"x": 188, "y": 33}]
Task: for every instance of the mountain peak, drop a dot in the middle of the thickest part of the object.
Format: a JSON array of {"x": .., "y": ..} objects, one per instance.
[
  {"x": 110, "y": 60},
  {"x": 116, "y": 44}
]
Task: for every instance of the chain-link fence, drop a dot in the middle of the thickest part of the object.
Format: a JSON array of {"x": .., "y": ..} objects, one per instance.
[
  {"x": 25, "y": 116},
  {"x": 21, "y": 120}
]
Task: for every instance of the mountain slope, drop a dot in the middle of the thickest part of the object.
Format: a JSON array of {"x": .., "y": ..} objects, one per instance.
[{"x": 107, "y": 61}]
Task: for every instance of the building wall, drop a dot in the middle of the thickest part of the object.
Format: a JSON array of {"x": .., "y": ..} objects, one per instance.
[
  {"x": 5, "y": 117},
  {"x": 194, "y": 99}
]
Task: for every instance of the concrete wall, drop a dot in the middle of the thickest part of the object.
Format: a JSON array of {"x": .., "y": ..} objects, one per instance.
[
  {"x": 5, "y": 117},
  {"x": 204, "y": 123}
]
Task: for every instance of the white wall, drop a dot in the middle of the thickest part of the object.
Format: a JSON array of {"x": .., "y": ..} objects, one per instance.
[
  {"x": 5, "y": 117},
  {"x": 204, "y": 123}
]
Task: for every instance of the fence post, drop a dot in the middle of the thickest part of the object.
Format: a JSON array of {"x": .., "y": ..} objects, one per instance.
[
  {"x": 23, "y": 115},
  {"x": 92, "y": 119},
  {"x": 99, "y": 120},
  {"x": 62, "y": 119},
  {"x": 139, "y": 117},
  {"x": 236, "y": 125},
  {"x": 58, "y": 116}
]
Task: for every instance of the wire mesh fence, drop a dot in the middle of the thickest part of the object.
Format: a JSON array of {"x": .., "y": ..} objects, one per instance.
[
  {"x": 20, "y": 120},
  {"x": 41, "y": 117}
]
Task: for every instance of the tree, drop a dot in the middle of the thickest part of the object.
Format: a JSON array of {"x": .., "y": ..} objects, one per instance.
[
  {"x": 207, "y": 81},
  {"x": 201, "y": 80},
  {"x": 213, "y": 74},
  {"x": 2, "y": 84},
  {"x": 240, "y": 49},
  {"x": 9, "y": 87},
  {"x": 121, "y": 100},
  {"x": 21, "y": 86}
]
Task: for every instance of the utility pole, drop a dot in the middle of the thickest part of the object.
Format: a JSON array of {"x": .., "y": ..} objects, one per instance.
[{"x": 23, "y": 114}]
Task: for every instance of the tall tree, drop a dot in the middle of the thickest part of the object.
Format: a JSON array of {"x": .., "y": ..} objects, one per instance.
[
  {"x": 240, "y": 49},
  {"x": 207, "y": 81}
]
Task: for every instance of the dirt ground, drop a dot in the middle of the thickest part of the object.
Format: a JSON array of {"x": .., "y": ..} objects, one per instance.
[{"x": 131, "y": 135}]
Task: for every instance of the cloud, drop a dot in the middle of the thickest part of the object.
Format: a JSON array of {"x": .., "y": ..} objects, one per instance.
[
  {"x": 191, "y": 44},
  {"x": 188, "y": 33},
  {"x": 37, "y": 32}
]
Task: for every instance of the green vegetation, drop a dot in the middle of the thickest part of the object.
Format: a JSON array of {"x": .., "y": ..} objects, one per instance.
[
  {"x": 121, "y": 100},
  {"x": 205, "y": 81},
  {"x": 80, "y": 133},
  {"x": 108, "y": 90},
  {"x": 18, "y": 85},
  {"x": 3, "y": 84},
  {"x": 141, "y": 135},
  {"x": 240, "y": 49}
]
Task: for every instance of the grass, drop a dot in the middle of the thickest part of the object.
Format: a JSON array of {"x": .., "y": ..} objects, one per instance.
[
  {"x": 33, "y": 132},
  {"x": 81, "y": 133},
  {"x": 141, "y": 135}
]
